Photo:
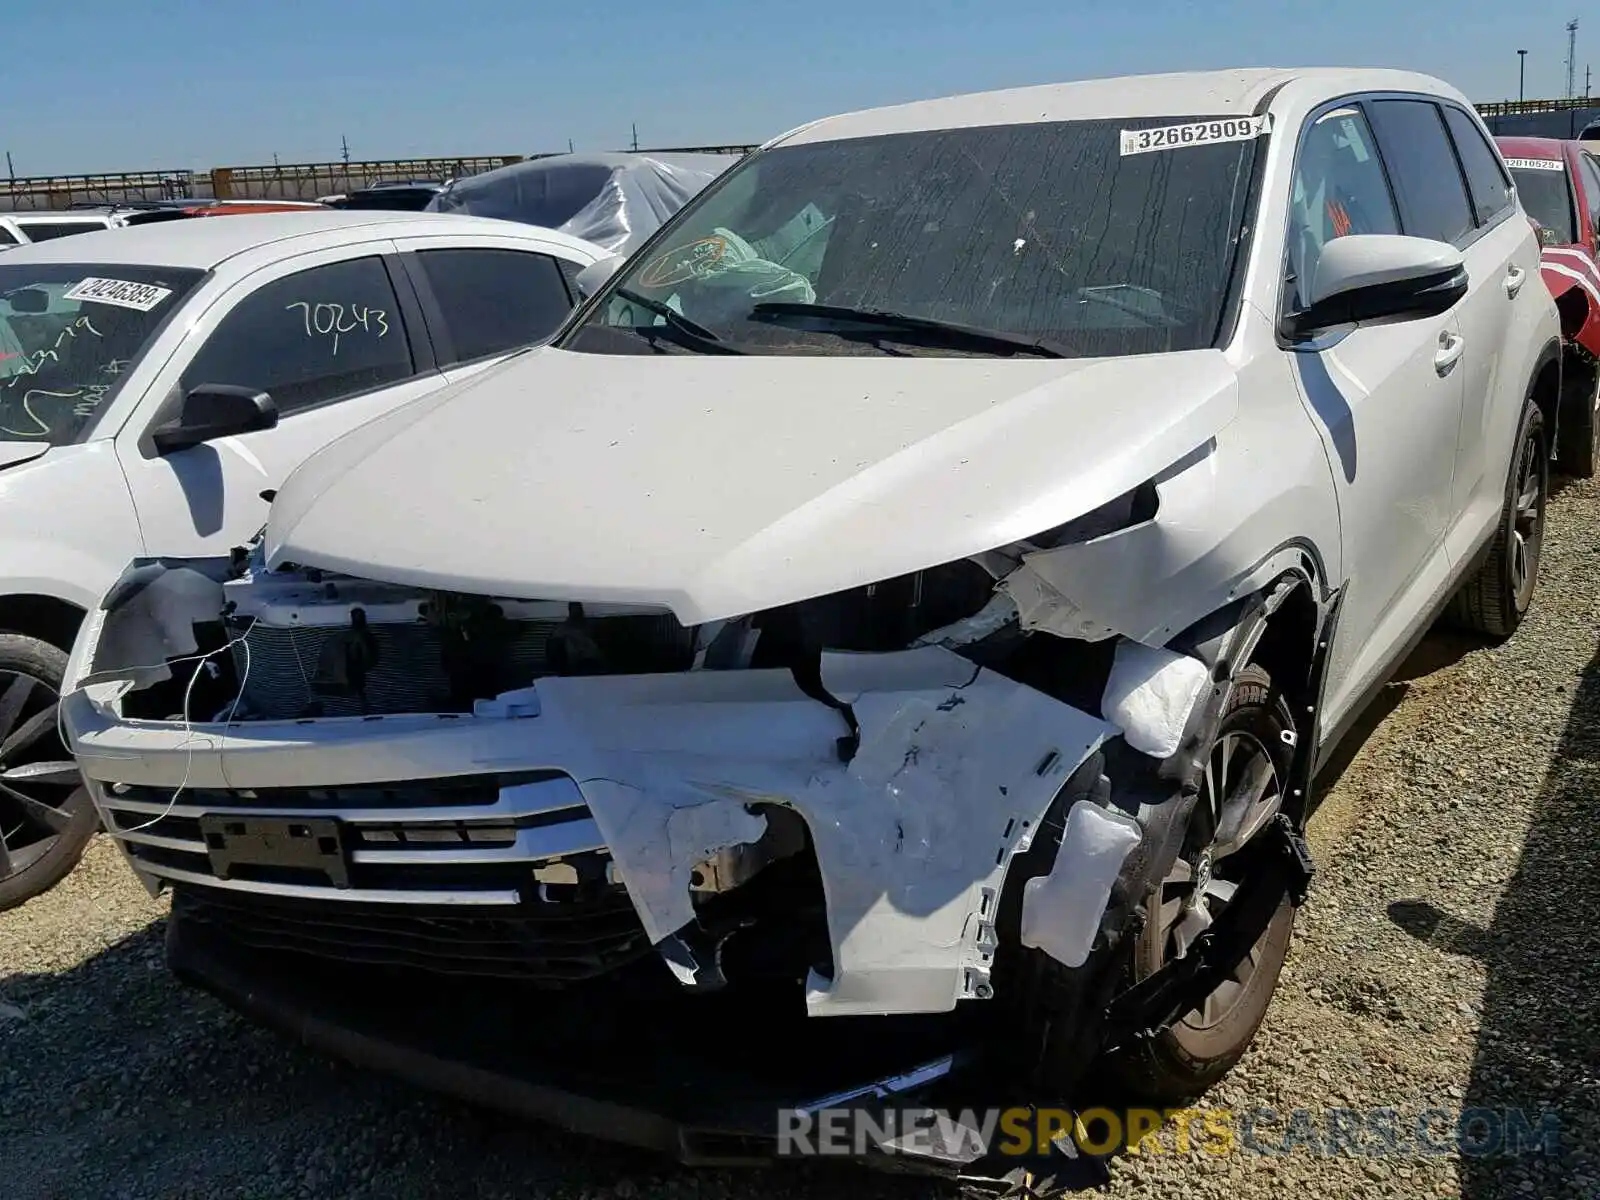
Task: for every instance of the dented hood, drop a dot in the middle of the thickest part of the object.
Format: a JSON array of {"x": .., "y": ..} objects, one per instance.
[{"x": 719, "y": 486}]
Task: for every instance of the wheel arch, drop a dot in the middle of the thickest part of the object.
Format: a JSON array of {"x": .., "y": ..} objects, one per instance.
[
  {"x": 48, "y": 618},
  {"x": 1544, "y": 389},
  {"x": 1275, "y": 628}
]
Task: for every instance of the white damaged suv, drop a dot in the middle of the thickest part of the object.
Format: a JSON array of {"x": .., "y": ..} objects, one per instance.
[{"x": 920, "y": 583}]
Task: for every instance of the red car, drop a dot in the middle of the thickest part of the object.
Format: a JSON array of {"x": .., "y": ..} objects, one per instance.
[{"x": 1559, "y": 185}]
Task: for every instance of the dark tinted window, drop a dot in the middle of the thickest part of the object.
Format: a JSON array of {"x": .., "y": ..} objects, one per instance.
[
  {"x": 399, "y": 199},
  {"x": 310, "y": 337},
  {"x": 5, "y": 237},
  {"x": 1338, "y": 189},
  {"x": 43, "y": 231},
  {"x": 152, "y": 215},
  {"x": 1491, "y": 190},
  {"x": 495, "y": 300},
  {"x": 1547, "y": 197},
  {"x": 1427, "y": 182}
]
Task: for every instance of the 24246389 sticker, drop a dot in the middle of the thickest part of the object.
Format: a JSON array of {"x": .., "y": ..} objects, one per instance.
[
  {"x": 121, "y": 292},
  {"x": 1195, "y": 133}
]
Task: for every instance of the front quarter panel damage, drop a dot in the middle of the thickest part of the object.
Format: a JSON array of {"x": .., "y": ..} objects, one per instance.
[
  {"x": 1228, "y": 523},
  {"x": 955, "y": 769}
]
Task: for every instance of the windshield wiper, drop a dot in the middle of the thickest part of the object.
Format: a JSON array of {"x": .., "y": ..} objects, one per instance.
[
  {"x": 690, "y": 333},
  {"x": 948, "y": 332}
]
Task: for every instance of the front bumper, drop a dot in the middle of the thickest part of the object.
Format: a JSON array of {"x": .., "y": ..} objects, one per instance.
[
  {"x": 956, "y": 767},
  {"x": 683, "y": 1084}
]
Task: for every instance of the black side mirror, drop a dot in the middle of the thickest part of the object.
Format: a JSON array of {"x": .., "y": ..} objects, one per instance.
[
  {"x": 1404, "y": 299},
  {"x": 215, "y": 410},
  {"x": 1379, "y": 276}
]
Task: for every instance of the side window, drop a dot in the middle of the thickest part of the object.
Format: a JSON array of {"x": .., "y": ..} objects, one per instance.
[
  {"x": 1427, "y": 182},
  {"x": 1339, "y": 188},
  {"x": 1486, "y": 178},
  {"x": 307, "y": 338},
  {"x": 1591, "y": 188},
  {"x": 495, "y": 301},
  {"x": 5, "y": 237}
]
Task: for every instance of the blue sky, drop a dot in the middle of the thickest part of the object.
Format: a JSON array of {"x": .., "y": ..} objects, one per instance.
[{"x": 107, "y": 85}]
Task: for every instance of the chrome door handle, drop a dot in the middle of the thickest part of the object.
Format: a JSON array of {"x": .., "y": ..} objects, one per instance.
[
  {"x": 1515, "y": 277},
  {"x": 1450, "y": 347}
]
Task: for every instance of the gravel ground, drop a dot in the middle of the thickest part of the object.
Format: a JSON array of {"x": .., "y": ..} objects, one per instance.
[{"x": 1447, "y": 959}]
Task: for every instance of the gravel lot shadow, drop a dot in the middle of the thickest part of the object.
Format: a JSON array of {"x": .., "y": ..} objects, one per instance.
[
  {"x": 1538, "y": 1050},
  {"x": 116, "y": 1080},
  {"x": 1441, "y": 648}
]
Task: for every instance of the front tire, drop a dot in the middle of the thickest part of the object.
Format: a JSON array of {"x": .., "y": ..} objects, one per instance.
[
  {"x": 1248, "y": 766},
  {"x": 46, "y": 815},
  {"x": 1497, "y": 597}
]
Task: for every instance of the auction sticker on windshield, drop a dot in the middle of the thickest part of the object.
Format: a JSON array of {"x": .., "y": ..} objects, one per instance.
[
  {"x": 1195, "y": 133},
  {"x": 1536, "y": 164},
  {"x": 120, "y": 292}
]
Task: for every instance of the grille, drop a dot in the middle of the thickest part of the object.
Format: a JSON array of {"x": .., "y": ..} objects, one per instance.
[
  {"x": 418, "y": 793},
  {"x": 548, "y": 943},
  {"x": 476, "y": 840},
  {"x": 408, "y": 676}
]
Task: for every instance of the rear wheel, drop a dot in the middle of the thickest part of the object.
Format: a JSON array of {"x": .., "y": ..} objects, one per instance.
[
  {"x": 1499, "y": 594},
  {"x": 1245, "y": 782},
  {"x": 46, "y": 816}
]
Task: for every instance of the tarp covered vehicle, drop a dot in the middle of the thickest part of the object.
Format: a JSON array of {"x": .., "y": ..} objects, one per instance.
[
  {"x": 613, "y": 200},
  {"x": 886, "y": 634}
]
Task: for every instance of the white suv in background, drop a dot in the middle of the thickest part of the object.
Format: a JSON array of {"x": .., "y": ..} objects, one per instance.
[
  {"x": 924, "y": 578},
  {"x": 22, "y": 228},
  {"x": 156, "y": 380}
]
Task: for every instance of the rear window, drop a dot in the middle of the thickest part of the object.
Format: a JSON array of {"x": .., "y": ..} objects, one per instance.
[
  {"x": 1547, "y": 197},
  {"x": 44, "y": 231}
]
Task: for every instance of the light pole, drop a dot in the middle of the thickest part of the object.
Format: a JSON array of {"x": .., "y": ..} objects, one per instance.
[{"x": 1522, "y": 74}]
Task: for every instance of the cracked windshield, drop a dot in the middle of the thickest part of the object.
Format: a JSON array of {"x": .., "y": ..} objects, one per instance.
[
  {"x": 68, "y": 333},
  {"x": 1063, "y": 239}
]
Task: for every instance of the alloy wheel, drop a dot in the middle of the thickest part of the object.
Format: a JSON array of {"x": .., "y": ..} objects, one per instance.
[
  {"x": 1242, "y": 786},
  {"x": 37, "y": 776},
  {"x": 1527, "y": 525}
]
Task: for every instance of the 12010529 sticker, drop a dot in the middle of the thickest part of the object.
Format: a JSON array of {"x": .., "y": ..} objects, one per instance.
[{"x": 1195, "y": 133}]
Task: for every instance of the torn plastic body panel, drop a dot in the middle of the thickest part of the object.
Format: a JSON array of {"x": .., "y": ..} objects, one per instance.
[{"x": 952, "y": 768}]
